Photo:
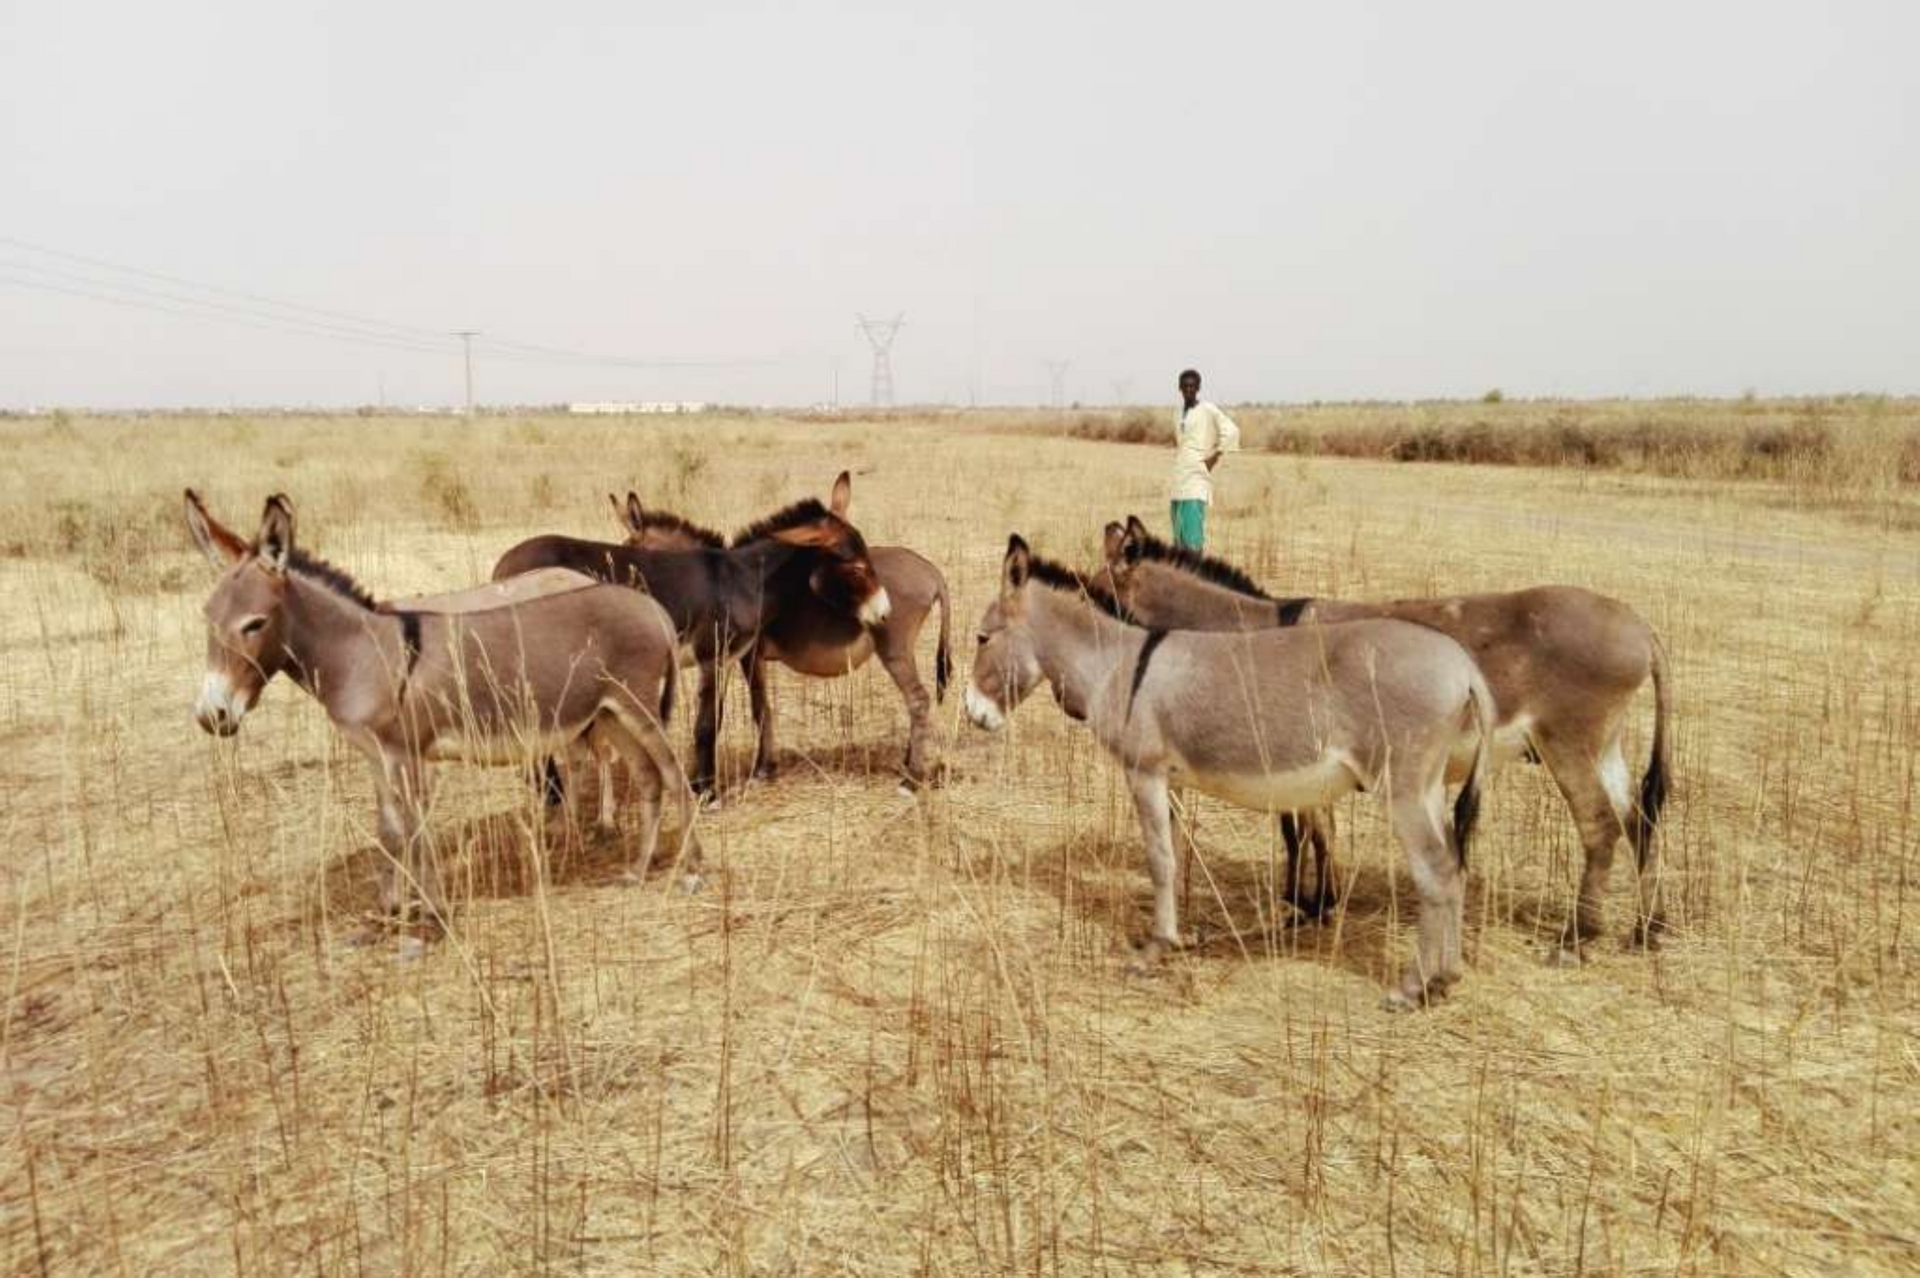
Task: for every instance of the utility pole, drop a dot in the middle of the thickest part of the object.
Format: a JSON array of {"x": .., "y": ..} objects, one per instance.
[
  {"x": 880, "y": 335},
  {"x": 1120, "y": 387},
  {"x": 466, "y": 336},
  {"x": 1057, "y": 380}
]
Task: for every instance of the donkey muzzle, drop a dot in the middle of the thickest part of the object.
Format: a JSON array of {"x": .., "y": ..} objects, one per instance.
[
  {"x": 220, "y": 707},
  {"x": 877, "y": 608},
  {"x": 982, "y": 711}
]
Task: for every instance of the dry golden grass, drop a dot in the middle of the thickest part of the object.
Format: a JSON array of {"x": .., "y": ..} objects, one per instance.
[
  {"x": 895, "y": 1035},
  {"x": 1857, "y": 453}
]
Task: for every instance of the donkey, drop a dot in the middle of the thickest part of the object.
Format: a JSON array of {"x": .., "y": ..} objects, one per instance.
[
  {"x": 818, "y": 640},
  {"x": 513, "y": 590},
  {"x": 1277, "y": 721},
  {"x": 594, "y": 664},
  {"x": 1564, "y": 665},
  {"x": 722, "y": 598}
]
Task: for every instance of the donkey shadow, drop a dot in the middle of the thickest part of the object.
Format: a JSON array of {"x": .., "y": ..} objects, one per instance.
[
  {"x": 1233, "y": 900},
  {"x": 504, "y": 853},
  {"x": 882, "y": 759}
]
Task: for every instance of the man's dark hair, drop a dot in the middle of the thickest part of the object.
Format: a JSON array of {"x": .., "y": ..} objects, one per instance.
[{"x": 1185, "y": 373}]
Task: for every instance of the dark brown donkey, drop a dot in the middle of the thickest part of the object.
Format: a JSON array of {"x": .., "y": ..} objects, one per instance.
[
  {"x": 486, "y": 685},
  {"x": 815, "y": 639},
  {"x": 1564, "y": 665},
  {"x": 722, "y": 598}
]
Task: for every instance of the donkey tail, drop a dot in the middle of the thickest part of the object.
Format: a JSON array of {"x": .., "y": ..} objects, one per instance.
[
  {"x": 1659, "y": 778},
  {"x": 943, "y": 655},
  {"x": 1466, "y": 808}
]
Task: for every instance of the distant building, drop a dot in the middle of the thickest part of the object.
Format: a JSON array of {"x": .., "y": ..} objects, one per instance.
[{"x": 643, "y": 406}]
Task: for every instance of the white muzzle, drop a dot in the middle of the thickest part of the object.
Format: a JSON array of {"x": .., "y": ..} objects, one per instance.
[
  {"x": 220, "y": 707},
  {"x": 877, "y": 609},
  {"x": 982, "y": 711}
]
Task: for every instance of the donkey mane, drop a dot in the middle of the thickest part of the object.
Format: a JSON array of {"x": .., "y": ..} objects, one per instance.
[
  {"x": 1062, "y": 578},
  {"x": 1056, "y": 575},
  {"x": 680, "y": 524},
  {"x": 801, "y": 512},
  {"x": 1218, "y": 571},
  {"x": 332, "y": 576}
]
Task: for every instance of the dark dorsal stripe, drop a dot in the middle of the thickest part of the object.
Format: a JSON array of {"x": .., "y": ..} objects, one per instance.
[
  {"x": 1153, "y": 641},
  {"x": 410, "y": 639},
  {"x": 1289, "y": 610}
]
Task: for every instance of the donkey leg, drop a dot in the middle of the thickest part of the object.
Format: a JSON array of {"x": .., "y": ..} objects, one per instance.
[
  {"x": 1438, "y": 879},
  {"x": 610, "y": 737},
  {"x": 653, "y": 748},
  {"x": 1290, "y": 835},
  {"x": 1300, "y": 829},
  {"x": 648, "y": 787},
  {"x": 407, "y": 864},
  {"x": 706, "y": 729},
  {"x": 552, "y": 783},
  {"x": 609, "y": 808},
  {"x": 1595, "y": 785},
  {"x": 1325, "y": 895},
  {"x": 905, "y": 673},
  {"x": 755, "y": 668},
  {"x": 393, "y": 830},
  {"x": 1151, "y": 803}
]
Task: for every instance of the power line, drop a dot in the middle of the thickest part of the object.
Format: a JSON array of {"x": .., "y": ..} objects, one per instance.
[
  {"x": 291, "y": 323},
  {"x": 339, "y": 325},
  {"x": 215, "y": 288},
  {"x": 230, "y": 319}
]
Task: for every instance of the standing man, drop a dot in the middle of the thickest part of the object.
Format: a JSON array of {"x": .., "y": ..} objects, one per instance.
[{"x": 1205, "y": 436}]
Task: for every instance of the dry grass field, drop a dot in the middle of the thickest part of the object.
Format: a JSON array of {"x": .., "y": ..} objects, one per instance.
[{"x": 895, "y": 1035}]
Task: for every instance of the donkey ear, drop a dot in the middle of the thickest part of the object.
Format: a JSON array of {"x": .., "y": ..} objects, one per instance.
[
  {"x": 619, "y": 511},
  {"x": 842, "y": 495},
  {"x": 1114, "y": 542},
  {"x": 214, "y": 539},
  {"x": 1136, "y": 529},
  {"x": 636, "y": 513},
  {"x": 1014, "y": 569},
  {"x": 274, "y": 542}
]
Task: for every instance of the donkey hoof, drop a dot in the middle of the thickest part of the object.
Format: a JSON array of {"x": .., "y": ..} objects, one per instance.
[
  {"x": 1311, "y": 909},
  {"x": 765, "y": 772},
  {"x": 692, "y": 884},
  {"x": 1150, "y": 956},
  {"x": 1646, "y": 934},
  {"x": 1565, "y": 954},
  {"x": 411, "y": 949},
  {"x": 1415, "y": 995}
]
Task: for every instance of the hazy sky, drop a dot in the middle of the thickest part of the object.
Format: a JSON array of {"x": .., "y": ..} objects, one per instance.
[{"x": 1307, "y": 201}]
